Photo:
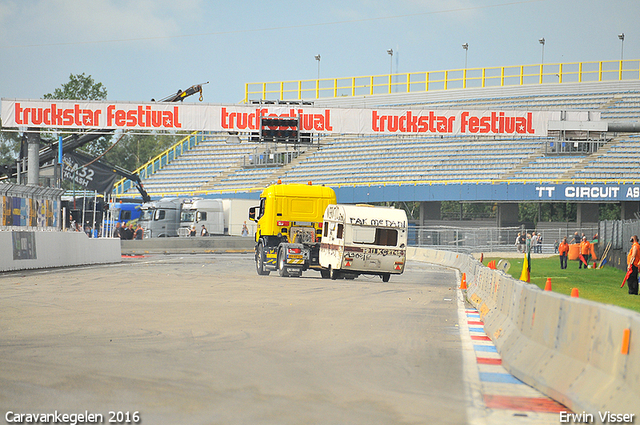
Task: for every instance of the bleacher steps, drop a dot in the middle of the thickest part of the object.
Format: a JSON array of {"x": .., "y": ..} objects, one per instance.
[
  {"x": 211, "y": 184},
  {"x": 523, "y": 164},
  {"x": 281, "y": 172},
  {"x": 579, "y": 165}
]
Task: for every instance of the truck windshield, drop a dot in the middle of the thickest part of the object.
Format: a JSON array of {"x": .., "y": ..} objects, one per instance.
[
  {"x": 146, "y": 215},
  {"x": 186, "y": 216}
]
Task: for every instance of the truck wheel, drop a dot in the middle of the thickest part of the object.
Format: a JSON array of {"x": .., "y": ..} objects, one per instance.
[
  {"x": 282, "y": 269},
  {"x": 386, "y": 277},
  {"x": 335, "y": 274},
  {"x": 325, "y": 273},
  {"x": 260, "y": 261}
]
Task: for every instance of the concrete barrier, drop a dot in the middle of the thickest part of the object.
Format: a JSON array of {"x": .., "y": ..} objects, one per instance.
[
  {"x": 197, "y": 245},
  {"x": 20, "y": 250},
  {"x": 568, "y": 348}
]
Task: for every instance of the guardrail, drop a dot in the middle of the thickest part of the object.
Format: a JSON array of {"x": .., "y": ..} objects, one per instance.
[
  {"x": 413, "y": 82},
  {"x": 578, "y": 352},
  {"x": 155, "y": 164}
]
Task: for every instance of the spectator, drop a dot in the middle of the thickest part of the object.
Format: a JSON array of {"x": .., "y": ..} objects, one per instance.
[
  {"x": 204, "y": 231},
  {"x": 534, "y": 242},
  {"x": 576, "y": 238},
  {"x": 563, "y": 250},
  {"x": 116, "y": 231},
  {"x": 245, "y": 230},
  {"x": 555, "y": 247},
  {"x": 139, "y": 234},
  {"x": 192, "y": 232},
  {"x": 633, "y": 259},
  {"x": 128, "y": 232},
  {"x": 539, "y": 245},
  {"x": 585, "y": 253},
  {"x": 518, "y": 242}
]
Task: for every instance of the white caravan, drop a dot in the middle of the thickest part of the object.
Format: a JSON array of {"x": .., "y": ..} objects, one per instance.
[{"x": 363, "y": 239}]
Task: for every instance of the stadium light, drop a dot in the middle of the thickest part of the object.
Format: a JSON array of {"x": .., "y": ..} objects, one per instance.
[
  {"x": 318, "y": 59},
  {"x": 621, "y": 37},
  {"x": 542, "y": 41},
  {"x": 390, "y": 51},
  {"x": 465, "y": 46}
]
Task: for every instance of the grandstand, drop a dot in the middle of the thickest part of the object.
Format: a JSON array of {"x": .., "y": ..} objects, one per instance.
[{"x": 221, "y": 163}]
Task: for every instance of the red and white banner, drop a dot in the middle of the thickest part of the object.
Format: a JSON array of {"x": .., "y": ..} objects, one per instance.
[{"x": 244, "y": 118}]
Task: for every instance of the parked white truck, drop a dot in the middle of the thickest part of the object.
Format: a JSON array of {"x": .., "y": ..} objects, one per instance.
[
  {"x": 175, "y": 216},
  {"x": 202, "y": 212},
  {"x": 363, "y": 239},
  {"x": 161, "y": 219}
]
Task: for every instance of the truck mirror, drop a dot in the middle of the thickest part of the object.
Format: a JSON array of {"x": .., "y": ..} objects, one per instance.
[{"x": 252, "y": 213}]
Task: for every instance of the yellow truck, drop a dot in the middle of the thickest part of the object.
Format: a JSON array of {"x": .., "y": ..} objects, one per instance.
[{"x": 289, "y": 228}]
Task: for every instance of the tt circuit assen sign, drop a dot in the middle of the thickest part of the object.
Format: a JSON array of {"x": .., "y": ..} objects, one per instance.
[
  {"x": 245, "y": 118},
  {"x": 587, "y": 192}
]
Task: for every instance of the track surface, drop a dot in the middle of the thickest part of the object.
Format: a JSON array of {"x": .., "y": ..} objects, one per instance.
[{"x": 203, "y": 339}]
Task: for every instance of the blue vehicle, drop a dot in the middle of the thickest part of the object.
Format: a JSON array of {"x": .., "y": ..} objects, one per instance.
[{"x": 124, "y": 212}]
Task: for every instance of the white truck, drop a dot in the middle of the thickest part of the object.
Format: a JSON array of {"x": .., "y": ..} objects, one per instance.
[
  {"x": 202, "y": 212},
  {"x": 161, "y": 219},
  {"x": 363, "y": 239}
]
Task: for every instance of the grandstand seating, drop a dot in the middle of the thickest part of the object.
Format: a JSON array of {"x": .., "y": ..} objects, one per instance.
[
  {"x": 219, "y": 164},
  {"x": 213, "y": 156}
]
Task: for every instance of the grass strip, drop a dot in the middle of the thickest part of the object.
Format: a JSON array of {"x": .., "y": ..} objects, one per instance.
[{"x": 600, "y": 285}]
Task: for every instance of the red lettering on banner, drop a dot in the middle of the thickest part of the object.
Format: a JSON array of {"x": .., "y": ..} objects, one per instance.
[
  {"x": 408, "y": 123},
  {"x": 251, "y": 121},
  {"x": 239, "y": 118},
  {"x": 496, "y": 123}
]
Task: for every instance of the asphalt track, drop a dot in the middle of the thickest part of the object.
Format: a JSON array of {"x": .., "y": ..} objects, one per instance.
[{"x": 202, "y": 339}]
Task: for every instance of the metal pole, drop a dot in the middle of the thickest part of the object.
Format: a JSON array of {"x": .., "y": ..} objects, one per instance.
[
  {"x": 621, "y": 37},
  {"x": 84, "y": 203},
  {"x": 33, "y": 157},
  {"x": 95, "y": 202},
  {"x": 59, "y": 176}
]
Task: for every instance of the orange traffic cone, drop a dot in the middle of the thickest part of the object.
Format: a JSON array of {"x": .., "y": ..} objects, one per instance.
[
  {"x": 547, "y": 286},
  {"x": 463, "y": 284},
  {"x": 574, "y": 292}
]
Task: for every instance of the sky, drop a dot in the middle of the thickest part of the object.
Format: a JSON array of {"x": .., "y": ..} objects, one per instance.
[{"x": 144, "y": 49}]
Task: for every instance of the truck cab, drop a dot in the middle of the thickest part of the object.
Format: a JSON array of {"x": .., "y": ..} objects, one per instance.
[
  {"x": 161, "y": 219},
  {"x": 202, "y": 212},
  {"x": 289, "y": 227}
]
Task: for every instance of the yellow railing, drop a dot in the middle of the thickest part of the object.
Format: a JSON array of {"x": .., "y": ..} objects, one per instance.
[
  {"x": 414, "y": 82},
  {"x": 155, "y": 164}
]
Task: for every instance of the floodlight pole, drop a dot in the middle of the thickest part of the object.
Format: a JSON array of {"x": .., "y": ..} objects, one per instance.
[
  {"x": 465, "y": 46},
  {"x": 318, "y": 59},
  {"x": 621, "y": 37},
  {"x": 542, "y": 41}
]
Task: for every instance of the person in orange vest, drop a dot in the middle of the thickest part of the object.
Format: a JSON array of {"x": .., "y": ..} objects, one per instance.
[
  {"x": 563, "y": 250},
  {"x": 585, "y": 253},
  {"x": 633, "y": 259}
]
